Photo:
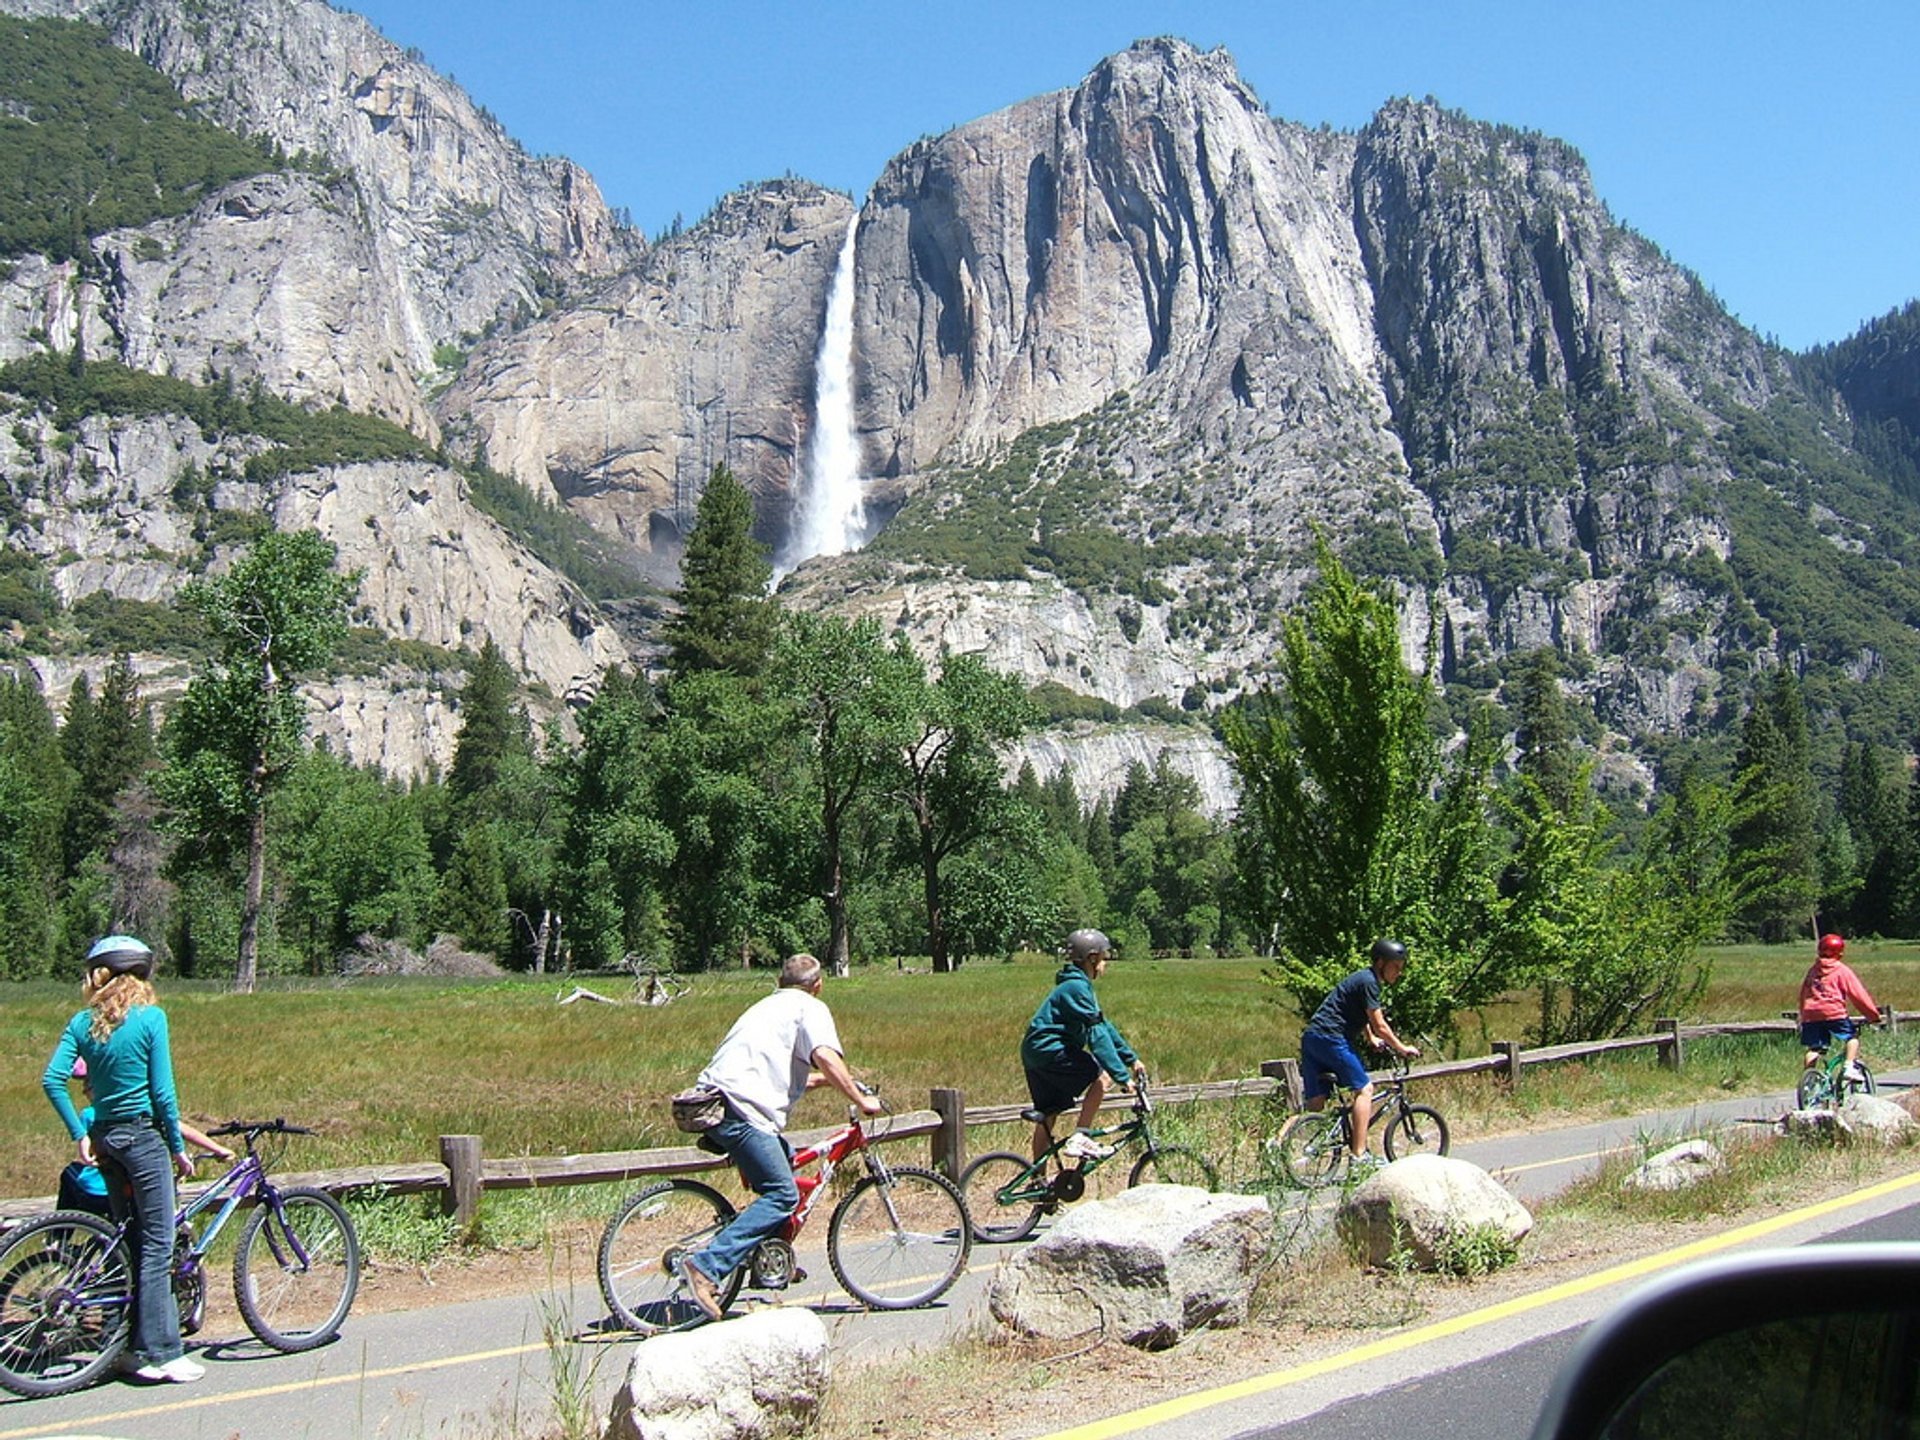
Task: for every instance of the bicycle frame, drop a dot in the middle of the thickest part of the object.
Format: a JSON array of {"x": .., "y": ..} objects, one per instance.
[
  {"x": 245, "y": 1183},
  {"x": 1033, "y": 1186},
  {"x": 829, "y": 1154}
]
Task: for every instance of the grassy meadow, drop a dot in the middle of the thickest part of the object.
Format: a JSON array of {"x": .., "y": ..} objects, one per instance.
[{"x": 382, "y": 1068}]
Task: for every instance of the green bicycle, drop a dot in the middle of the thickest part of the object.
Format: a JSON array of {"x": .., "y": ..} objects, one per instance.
[
  {"x": 1825, "y": 1085},
  {"x": 1006, "y": 1194}
]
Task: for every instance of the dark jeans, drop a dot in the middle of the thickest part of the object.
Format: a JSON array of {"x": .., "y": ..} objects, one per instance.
[
  {"x": 765, "y": 1163},
  {"x": 135, "y": 1149}
]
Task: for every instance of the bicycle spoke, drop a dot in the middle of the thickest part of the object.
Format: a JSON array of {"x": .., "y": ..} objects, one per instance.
[
  {"x": 65, "y": 1290},
  {"x": 296, "y": 1270},
  {"x": 899, "y": 1239}
]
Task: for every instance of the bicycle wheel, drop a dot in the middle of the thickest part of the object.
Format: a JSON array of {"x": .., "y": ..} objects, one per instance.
[
  {"x": 1416, "y": 1130},
  {"x": 651, "y": 1230},
  {"x": 982, "y": 1181},
  {"x": 900, "y": 1238},
  {"x": 66, "y": 1293},
  {"x": 1314, "y": 1150},
  {"x": 294, "y": 1303},
  {"x": 1863, "y": 1086},
  {"x": 1174, "y": 1165},
  {"x": 1815, "y": 1090}
]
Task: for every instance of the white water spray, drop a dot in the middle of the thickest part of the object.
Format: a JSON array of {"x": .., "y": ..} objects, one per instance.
[{"x": 831, "y": 515}]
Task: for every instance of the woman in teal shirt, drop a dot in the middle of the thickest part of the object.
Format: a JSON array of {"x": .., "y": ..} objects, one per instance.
[{"x": 135, "y": 1134}]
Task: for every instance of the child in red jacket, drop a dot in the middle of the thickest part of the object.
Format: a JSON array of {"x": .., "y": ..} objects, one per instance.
[{"x": 1830, "y": 987}]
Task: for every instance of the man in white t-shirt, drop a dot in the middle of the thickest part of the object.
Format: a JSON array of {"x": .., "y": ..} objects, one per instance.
[{"x": 780, "y": 1048}]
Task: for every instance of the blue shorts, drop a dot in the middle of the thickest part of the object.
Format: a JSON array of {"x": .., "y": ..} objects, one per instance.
[
  {"x": 1322, "y": 1053},
  {"x": 1818, "y": 1034}
]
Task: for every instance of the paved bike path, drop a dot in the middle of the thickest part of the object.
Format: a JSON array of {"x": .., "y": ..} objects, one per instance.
[{"x": 487, "y": 1369}]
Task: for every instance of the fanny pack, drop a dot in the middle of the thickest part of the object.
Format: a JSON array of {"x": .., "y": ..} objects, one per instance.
[{"x": 698, "y": 1110}]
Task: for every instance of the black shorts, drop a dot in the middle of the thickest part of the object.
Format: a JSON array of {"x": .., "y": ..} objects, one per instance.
[{"x": 1059, "y": 1087}]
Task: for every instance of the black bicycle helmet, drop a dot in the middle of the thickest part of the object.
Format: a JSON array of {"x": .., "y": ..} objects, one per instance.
[
  {"x": 121, "y": 954},
  {"x": 1385, "y": 950},
  {"x": 1082, "y": 943}
]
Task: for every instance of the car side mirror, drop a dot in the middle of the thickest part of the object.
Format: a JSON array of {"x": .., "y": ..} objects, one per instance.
[{"x": 1819, "y": 1341}]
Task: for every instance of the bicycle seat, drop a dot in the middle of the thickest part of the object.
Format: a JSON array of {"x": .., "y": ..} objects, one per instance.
[{"x": 1035, "y": 1117}]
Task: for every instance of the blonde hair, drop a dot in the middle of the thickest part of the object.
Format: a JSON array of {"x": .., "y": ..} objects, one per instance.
[{"x": 111, "y": 997}]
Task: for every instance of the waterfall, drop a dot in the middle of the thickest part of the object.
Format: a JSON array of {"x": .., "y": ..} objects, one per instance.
[{"x": 830, "y": 515}]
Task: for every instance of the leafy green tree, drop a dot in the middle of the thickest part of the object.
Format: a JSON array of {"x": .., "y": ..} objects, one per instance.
[
  {"x": 726, "y": 621},
  {"x": 275, "y": 616},
  {"x": 948, "y": 775},
  {"x": 1775, "y": 837},
  {"x": 1611, "y": 944},
  {"x": 1350, "y": 825},
  {"x": 853, "y": 700}
]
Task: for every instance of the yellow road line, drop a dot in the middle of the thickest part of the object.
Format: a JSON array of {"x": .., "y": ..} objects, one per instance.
[
  {"x": 1619, "y": 1274},
  {"x": 291, "y": 1387}
]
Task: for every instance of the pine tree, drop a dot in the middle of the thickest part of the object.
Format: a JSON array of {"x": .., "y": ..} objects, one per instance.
[
  {"x": 493, "y": 730},
  {"x": 726, "y": 620},
  {"x": 1775, "y": 837}
]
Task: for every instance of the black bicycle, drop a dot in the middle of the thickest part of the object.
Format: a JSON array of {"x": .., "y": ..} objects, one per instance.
[
  {"x": 1006, "y": 1194},
  {"x": 1314, "y": 1148}
]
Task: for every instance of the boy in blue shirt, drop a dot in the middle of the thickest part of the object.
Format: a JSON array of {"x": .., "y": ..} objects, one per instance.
[{"x": 1350, "y": 1014}]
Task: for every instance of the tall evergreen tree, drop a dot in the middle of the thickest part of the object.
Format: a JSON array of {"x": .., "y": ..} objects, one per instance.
[
  {"x": 494, "y": 730},
  {"x": 35, "y": 783},
  {"x": 1543, "y": 732},
  {"x": 726, "y": 620},
  {"x": 1775, "y": 837}
]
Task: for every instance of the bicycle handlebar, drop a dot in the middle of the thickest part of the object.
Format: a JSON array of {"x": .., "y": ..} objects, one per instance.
[{"x": 255, "y": 1128}]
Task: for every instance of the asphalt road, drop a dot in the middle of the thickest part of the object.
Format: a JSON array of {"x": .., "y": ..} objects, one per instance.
[{"x": 488, "y": 1370}]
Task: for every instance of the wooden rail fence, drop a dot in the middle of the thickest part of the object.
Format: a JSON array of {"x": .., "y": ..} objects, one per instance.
[{"x": 464, "y": 1172}]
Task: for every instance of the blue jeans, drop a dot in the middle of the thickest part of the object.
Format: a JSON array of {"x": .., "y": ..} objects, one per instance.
[
  {"x": 134, "y": 1149},
  {"x": 766, "y": 1164}
]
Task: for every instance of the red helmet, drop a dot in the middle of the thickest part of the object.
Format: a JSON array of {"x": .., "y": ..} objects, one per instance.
[{"x": 1832, "y": 947}]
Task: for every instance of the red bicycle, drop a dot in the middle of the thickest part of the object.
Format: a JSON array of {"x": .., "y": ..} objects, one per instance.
[{"x": 898, "y": 1239}]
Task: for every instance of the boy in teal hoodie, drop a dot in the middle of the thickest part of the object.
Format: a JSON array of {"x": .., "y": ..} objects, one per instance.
[{"x": 1070, "y": 1047}]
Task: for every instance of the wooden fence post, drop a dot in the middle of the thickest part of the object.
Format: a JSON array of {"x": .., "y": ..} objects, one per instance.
[
  {"x": 461, "y": 1155},
  {"x": 1510, "y": 1051},
  {"x": 1672, "y": 1049},
  {"x": 1287, "y": 1072},
  {"x": 949, "y": 1142}
]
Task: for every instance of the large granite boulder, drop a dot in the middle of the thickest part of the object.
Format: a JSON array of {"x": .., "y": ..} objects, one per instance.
[
  {"x": 1148, "y": 1267},
  {"x": 755, "y": 1378},
  {"x": 1422, "y": 1210}
]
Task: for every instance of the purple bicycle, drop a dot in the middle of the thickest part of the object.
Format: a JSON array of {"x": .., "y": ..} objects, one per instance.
[{"x": 66, "y": 1279}]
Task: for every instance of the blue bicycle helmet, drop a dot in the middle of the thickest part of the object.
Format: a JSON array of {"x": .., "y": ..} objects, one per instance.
[{"x": 121, "y": 954}]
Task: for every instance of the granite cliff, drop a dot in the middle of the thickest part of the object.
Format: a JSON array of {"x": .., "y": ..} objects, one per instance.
[{"x": 1120, "y": 353}]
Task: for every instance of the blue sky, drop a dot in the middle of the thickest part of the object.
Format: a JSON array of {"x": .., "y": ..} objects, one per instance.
[{"x": 1774, "y": 148}]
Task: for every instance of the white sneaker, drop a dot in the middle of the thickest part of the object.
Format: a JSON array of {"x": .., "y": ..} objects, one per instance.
[
  {"x": 1856, "y": 1075},
  {"x": 1082, "y": 1146},
  {"x": 177, "y": 1371}
]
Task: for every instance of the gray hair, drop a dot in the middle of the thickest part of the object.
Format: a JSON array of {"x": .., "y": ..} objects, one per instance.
[{"x": 799, "y": 972}]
